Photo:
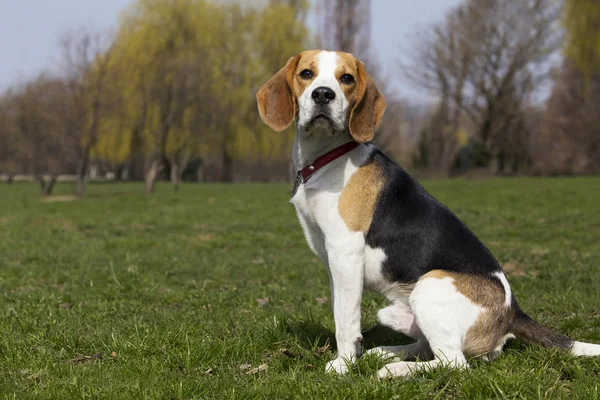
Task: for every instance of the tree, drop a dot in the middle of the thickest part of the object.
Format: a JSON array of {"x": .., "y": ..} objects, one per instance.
[
  {"x": 9, "y": 139},
  {"x": 188, "y": 70},
  {"x": 161, "y": 53},
  {"x": 175, "y": 84},
  {"x": 581, "y": 20},
  {"x": 569, "y": 139},
  {"x": 485, "y": 61},
  {"x": 37, "y": 140},
  {"x": 346, "y": 25},
  {"x": 86, "y": 62},
  {"x": 272, "y": 35}
]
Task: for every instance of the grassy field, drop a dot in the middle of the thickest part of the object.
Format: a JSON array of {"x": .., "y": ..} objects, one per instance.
[{"x": 185, "y": 295}]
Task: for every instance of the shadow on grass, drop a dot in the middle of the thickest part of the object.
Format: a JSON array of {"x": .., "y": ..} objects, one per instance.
[
  {"x": 312, "y": 334},
  {"x": 380, "y": 335}
]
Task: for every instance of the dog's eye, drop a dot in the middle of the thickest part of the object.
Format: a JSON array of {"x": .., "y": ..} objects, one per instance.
[
  {"x": 347, "y": 79},
  {"x": 306, "y": 74}
]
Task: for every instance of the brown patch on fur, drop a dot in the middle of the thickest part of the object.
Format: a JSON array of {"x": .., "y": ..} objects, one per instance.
[
  {"x": 368, "y": 108},
  {"x": 495, "y": 320},
  {"x": 357, "y": 201},
  {"x": 437, "y": 274}
]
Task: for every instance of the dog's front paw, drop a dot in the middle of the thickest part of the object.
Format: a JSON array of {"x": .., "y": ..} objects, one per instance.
[{"x": 338, "y": 365}]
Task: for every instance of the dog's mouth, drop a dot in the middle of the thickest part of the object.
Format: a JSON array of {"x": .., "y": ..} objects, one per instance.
[{"x": 321, "y": 118}]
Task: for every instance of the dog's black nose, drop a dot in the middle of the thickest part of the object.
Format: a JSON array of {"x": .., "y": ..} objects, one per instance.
[{"x": 322, "y": 95}]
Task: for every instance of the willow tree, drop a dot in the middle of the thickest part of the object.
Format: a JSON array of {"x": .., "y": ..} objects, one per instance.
[
  {"x": 188, "y": 71},
  {"x": 159, "y": 50},
  {"x": 256, "y": 43},
  {"x": 582, "y": 27},
  {"x": 280, "y": 32}
]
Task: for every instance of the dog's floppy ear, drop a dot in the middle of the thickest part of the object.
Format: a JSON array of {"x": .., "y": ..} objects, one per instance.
[
  {"x": 368, "y": 108},
  {"x": 276, "y": 100}
]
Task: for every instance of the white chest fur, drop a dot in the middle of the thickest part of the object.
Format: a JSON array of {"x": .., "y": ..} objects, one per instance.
[
  {"x": 316, "y": 201},
  {"x": 316, "y": 204},
  {"x": 302, "y": 202}
]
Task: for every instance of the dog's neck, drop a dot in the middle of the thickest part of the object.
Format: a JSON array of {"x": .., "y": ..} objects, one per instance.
[{"x": 308, "y": 148}]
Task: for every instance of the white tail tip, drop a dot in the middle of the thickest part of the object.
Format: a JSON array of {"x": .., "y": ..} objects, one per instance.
[{"x": 585, "y": 349}]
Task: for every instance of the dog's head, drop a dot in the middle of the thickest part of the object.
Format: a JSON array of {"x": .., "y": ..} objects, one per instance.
[{"x": 326, "y": 92}]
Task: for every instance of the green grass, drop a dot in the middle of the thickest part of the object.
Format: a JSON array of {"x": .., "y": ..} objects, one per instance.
[{"x": 169, "y": 285}]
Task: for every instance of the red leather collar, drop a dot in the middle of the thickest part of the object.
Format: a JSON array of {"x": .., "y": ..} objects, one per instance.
[{"x": 326, "y": 158}]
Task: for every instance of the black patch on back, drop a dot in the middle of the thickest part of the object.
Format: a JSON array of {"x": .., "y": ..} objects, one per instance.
[{"x": 419, "y": 234}]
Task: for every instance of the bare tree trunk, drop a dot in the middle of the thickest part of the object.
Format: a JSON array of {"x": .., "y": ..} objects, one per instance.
[
  {"x": 119, "y": 171},
  {"x": 495, "y": 161},
  {"x": 450, "y": 151},
  {"x": 175, "y": 176},
  {"x": 42, "y": 182},
  {"x": 82, "y": 171},
  {"x": 227, "y": 175},
  {"x": 152, "y": 174},
  {"x": 46, "y": 187},
  {"x": 200, "y": 173},
  {"x": 10, "y": 179},
  {"x": 50, "y": 186}
]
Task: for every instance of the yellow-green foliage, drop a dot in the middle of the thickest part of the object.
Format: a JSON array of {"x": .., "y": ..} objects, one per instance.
[
  {"x": 582, "y": 25},
  {"x": 213, "y": 57}
]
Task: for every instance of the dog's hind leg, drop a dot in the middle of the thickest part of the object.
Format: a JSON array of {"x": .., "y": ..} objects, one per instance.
[
  {"x": 399, "y": 317},
  {"x": 443, "y": 316},
  {"x": 497, "y": 351}
]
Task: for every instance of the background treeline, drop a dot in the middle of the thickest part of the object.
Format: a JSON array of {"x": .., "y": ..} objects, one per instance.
[{"x": 513, "y": 87}]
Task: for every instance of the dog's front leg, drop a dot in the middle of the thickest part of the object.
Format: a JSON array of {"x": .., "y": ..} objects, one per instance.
[{"x": 346, "y": 270}]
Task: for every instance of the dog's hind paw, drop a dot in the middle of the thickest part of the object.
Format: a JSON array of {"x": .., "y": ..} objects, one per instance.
[{"x": 380, "y": 352}]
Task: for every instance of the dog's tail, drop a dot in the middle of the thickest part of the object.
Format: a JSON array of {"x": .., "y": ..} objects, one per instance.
[{"x": 526, "y": 328}]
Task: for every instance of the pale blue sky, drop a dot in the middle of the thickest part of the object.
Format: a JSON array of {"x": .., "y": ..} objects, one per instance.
[{"x": 30, "y": 30}]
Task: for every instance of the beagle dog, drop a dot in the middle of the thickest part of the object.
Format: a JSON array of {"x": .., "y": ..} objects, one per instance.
[{"x": 375, "y": 227}]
